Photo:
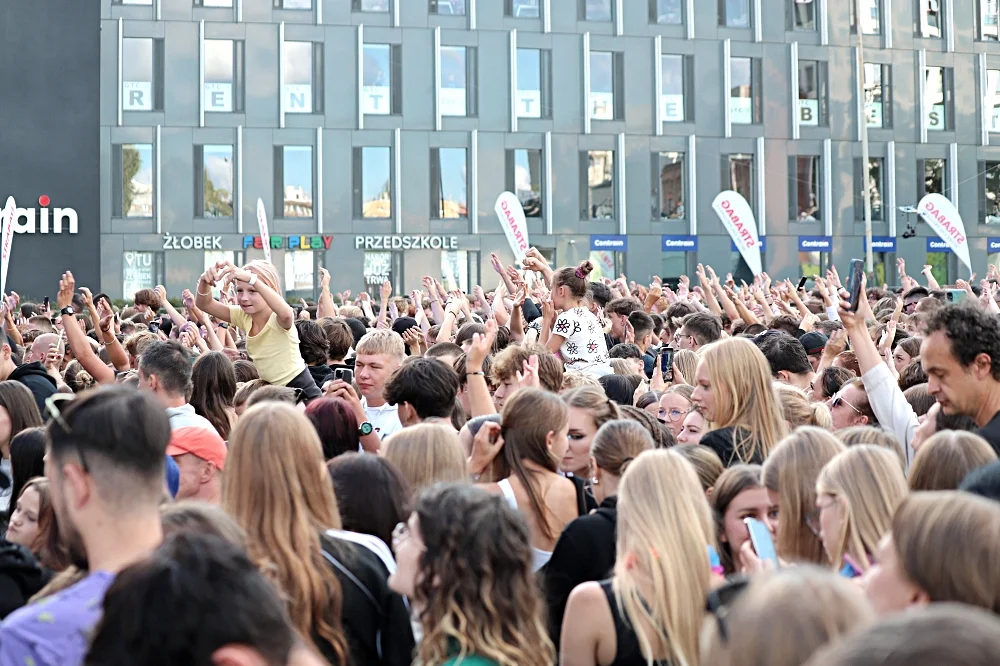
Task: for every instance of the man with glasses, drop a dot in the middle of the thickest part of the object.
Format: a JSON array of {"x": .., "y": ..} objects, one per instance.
[
  {"x": 912, "y": 297},
  {"x": 104, "y": 462},
  {"x": 697, "y": 330}
]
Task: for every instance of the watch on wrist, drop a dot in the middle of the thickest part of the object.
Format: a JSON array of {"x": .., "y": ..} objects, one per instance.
[
  {"x": 68, "y": 310},
  {"x": 366, "y": 428}
]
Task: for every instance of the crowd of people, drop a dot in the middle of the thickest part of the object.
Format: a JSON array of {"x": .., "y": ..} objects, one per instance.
[{"x": 554, "y": 470}]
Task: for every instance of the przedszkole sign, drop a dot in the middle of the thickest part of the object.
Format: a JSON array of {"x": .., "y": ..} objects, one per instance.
[{"x": 50, "y": 152}]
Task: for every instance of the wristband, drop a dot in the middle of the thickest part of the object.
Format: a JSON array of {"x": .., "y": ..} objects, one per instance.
[
  {"x": 253, "y": 279},
  {"x": 478, "y": 372}
]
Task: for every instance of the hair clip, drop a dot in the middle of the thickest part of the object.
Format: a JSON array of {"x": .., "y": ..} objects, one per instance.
[{"x": 580, "y": 274}]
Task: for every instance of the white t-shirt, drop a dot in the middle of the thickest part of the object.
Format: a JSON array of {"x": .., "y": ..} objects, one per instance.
[
  {"x": 584, "y": 347},
  {"x": 384, "y": 419}
]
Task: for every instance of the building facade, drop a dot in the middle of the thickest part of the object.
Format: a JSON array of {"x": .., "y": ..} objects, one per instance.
[{"x": 379, "y": 133}]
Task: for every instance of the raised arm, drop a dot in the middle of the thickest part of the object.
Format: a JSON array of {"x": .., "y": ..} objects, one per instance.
[
  {"x": 77, "y": 339},
  {"x": 326, "y": 307},
  {"x": 203, "y": 290},
  {"x": 479, "y": 391},
  {"x": 284, "y": 312},
  {"x": 175, "y": 316}
]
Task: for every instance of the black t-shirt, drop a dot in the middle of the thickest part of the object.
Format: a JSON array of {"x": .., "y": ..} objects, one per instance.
[{"x": 991, "y": 432}]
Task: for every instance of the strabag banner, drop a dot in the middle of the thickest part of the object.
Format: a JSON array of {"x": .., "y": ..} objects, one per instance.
[
  {"x": 511, "y": 215},
  {"x": 265, "y": 237},
  {"x": 5, "y": 244},
  {"x": 940, "y": 214},
  {"x": 737, "y": 217}
]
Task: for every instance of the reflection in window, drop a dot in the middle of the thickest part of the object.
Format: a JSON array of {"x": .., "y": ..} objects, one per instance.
[
  {"x": 989, "y": 20},
  {"x": 370, "y": 5},
  {"x": 931, "y": 18},
  {"x": 533, "y": 84},
  {"x": 220, "y": 91},
  {"x": 803, "y": 14},
  {"x": 672, "y": 80},
  {"x": 376, "y": 87},
  {"x": 137, "y": 75},
  {"x": 377, "y": 269},
  {"x": 598, "y": 180},
  {"x": 523, "y": 8},
  {"x": 741, "y": 103},
  {"x": 299, "y": 279},
  {"x": 297, "y": 94},
  {"x": 666, "y": 12},
  {"x": 739, "y": 176},
  {"x": 455, "y": 270},
  {"x": 373, "y": 175},
  {"x": 934, "y": 102},
  {"x": 812, "y": 93},
  {"x": 453, "y": 91},
  {"x": 525, "y": 176},
  {"x": 870, "y": 16},
  {"x": 293, "y": 4},
  {"x": 141, "y": 270},
  {"x": 448, "y": 7},
  {"x": 216, "y": 196},
  {"x": 877, "y": 95},
  {"x": 876, "y": 183},
  {"x": 804, "y": 171},
  {"x": 670, "y": 177},
  {"x": 992, "y": 93},
  {"x": 602, "y": 85},
  {"x": 934, "y": 181},
  {"x": 449, "y": 183},
  {"x": 596, "y": 10},
  {"x": 734, "y": 13},
  {"x": 134, "y": 2},
  {"x": 297, "y": 181},
  {"x": 136, "y": 160},
  {"x": 989, "y": 192},
  {"x": 214, "y": 3}
]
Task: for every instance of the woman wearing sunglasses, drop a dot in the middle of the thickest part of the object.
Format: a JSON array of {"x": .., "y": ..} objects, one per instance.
[{"x": 464, "y": 562}]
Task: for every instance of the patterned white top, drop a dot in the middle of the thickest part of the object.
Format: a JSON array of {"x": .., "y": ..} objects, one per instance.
[{"x": 584, "y": 346}]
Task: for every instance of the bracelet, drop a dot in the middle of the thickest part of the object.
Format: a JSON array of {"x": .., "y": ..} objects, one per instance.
[
  {"x": 479, "y": 372},
  {"x": 201, "y": 294},
  {"x": 253, "y": 279}
]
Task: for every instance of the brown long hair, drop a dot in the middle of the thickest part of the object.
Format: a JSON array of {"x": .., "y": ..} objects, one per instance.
[
  {"x": 47, "y": 545},
  {"x": 528, "y": 417},
  {"x": 727, "y": 487},
  {"x": 275, "y": 487},
  {"x": 213, "y": 379},
  {"x": 476, "y": 583}
]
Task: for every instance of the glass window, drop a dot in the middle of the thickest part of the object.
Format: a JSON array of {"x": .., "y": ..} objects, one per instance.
[
  {"x": 449, "y": 182},
  {"x": 669, "y": 179},
  {"x": 294, "y": 178},
  {"x": 380, "y": 87},
  {"x": 373, "y": 182},
  {"x": 455, "y": 270},
  {"x": 992, "y": 94},
  {"x": 214, "y": 198},
  {"x": 134, "y": 191},
  {"x": 743, "y": 97},
  {"x": 598, "y": 180},
  {"x": 596, "y": 10},
  {"x": 133, "y": 2},
  {"x": 734, "y": 13},
  {"x": 935, "y": 110},
  {"x": 989, "y": 20},
  {"x": 876, "y": 183},
  {"x": 738, "y": 176},
  {"x": 223, "y": 76},
  {"x": 871, "y": 13},
  {"x": 931, "y": 17},
  {"x": 142, "y": 74},
  {"x": 804, "y": 188},
  {"x": 802, "y": 14},
  {"x": 812, "y": 93},
  {"x": 370, "y": 5},
  {"x": 141, "y": 270},
  {"x": 878, "y": 101},
  {"x": 989, "y": 192},
  {"x": 293, "y": 4},
  {"x": 672, "y": 106},
  {"x": 458, "y": 83},
  {"x": 299, "y": 273},
  {"x": 523, "y": 8},
  {"x": 602, "y": 85},
  {"x": 935, "y": 180},
  {"x": 377, "y": 269},
  {"x": 533, "y": 84},
  {"x": 673, "y": 265},
  {"x": 666, "y": 12},
  {"x": 448, "y": 7},
  {"x": 214, "y": 3},
  {"x": 301, "y": 91},
  {"x": 939, "y": 263},
  {"x": 524, "y": 178}
]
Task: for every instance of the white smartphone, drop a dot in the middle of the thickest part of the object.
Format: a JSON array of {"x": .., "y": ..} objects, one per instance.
[{"x": 761, "y": 539}]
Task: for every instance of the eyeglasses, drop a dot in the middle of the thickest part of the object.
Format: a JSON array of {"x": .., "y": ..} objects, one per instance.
[
  {"x": 54, "y": 405},
  {"x": 837, "y": 401},
  {"x": 674, "y": 414}
]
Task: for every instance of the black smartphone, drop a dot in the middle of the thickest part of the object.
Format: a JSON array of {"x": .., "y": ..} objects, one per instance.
[
  {"x": 802, "y": 283},
  {"x": 667, "y": 364},
  {"x": 857, "y": 272},
  {"x": 344, "y": 374},
  {"x": 45, "y": 302},
  {"x": 154, "y": 327}
]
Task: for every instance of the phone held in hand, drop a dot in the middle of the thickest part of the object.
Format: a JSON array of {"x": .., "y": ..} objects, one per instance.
[
  {"x": 667, "y": 364},
  {"x": 854, "y": 283},
  {"x": 802, "y": 283},
  {"x": 761, "y": 539},
  {"x": 344, "y": 374}
]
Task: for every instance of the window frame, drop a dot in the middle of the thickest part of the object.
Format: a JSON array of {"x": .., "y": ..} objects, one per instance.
[
  {"x": 724, "y": 19},
  {"x": 544, "y": 82},
  {"x": 582, "y": 9},
  {"x": 617, "y": 86},
  {"x": 434, "y": 5},
  {"x": 854, "y": 17},
  {"x": 471, "y": 85},
  {"x": 985, "y": 168},
  {"x": 921, "y": 27},
  {"x": 358, "y": 182},
  {"x": 654, "y": 13},
  {"x": 279, "y": 181},
  {"x": 794, "y": 189},
  {"x": 437, "y": 200},
  {"x": 118, "y": 210},
  {"x": 685, "y": 65},
  {"x": 885, "y": 73},
  {"x": 509, "y": 9},
  {"x": 878, "y": 213},
  {"x": 587, "y": 204},
  {"x": 395, "y": 77},
  {"x": 317, "y": 91},
  {"x": 792, "y": 23},
  {"x": 510, "y": 175},
  {"x": 922, "y": 181},
  {"x": 727, "y": 176},
  {"x": 659, "y": 165},
  {"x": 947, "y": 93},
  {"x": 358, "y": 6},
  {"x": 237, "y": 77},
  {"x": 822, "y": 92},
  {"x": 280, "y": 4},
  {"x": 157, "y": 75},
  {"x": 201, "y": 180},
  {"x": 755, "y": 92},
  {"x": 981, "y": 26}
]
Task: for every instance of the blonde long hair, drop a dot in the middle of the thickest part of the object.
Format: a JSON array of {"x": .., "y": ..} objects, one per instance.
[
  {"x": 276, "y": 488},
  {"x": 791, "y": 471},
  {"x": 662, "y": 572},
  {"x": 870, "y": 483},
  {"x": 427, "y": 453},
  {"x": 744, "y": 397}
]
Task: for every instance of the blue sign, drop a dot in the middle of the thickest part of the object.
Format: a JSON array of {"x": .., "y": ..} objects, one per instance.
[
  {"x": 880, "y": 244},
  {"x": 679, "y": 243},
  {"x": 609, "y": 243},
  {"x": 937, "y": 245},
  {"x": 763, "y": 245},
  {"x": 815, "y": 243},
  {"x": 993, "y": 245}
]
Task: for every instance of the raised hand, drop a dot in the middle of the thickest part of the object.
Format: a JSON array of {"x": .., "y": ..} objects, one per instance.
[
  {"x": 385, "y": 291},
  {"x": 496, "y": 263},
  {"x": 324, "y": 279},
  {"x": 481, "y": 347},
  {"x": 527, "y": 377},
  {"x": 67, "y": 286}
]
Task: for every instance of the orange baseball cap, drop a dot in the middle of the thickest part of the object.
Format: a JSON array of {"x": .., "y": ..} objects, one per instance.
[{"x": 199, "y": 442}]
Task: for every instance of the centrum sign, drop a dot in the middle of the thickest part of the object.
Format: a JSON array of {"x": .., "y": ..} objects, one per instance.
[
  {"x": 406, "y": 242},
  {"x": 44, "y": 220}
]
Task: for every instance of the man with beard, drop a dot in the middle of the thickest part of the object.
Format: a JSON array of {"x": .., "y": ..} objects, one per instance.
[{"x": 104, "y": 461}]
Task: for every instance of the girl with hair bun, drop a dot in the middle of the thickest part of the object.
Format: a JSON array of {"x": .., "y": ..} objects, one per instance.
[{"x": 575, "y": 334}]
